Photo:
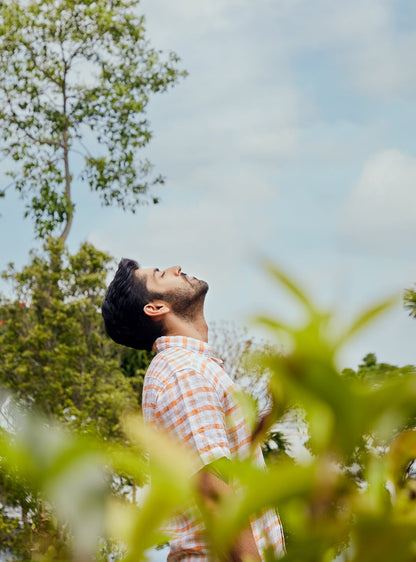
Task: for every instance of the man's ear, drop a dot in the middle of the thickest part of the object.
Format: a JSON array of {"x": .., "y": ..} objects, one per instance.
[{"x": 156, "y": 308}]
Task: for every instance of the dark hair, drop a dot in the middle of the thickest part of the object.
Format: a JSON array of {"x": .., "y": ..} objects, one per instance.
[{"x": 122, "y": 309}]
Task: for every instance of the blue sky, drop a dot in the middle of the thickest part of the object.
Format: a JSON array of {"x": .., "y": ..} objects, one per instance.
[{"x": 292, "y": 138}]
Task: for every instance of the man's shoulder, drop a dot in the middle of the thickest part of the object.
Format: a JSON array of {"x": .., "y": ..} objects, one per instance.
[
  {"x": 175, "y": 360},
  {"x": 171, "y": 360}
]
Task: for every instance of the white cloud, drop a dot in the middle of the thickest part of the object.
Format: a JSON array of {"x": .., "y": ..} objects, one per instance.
[
  {"x": 362, "y": 38},
  {"x": 214, "y": 235},
  {"x": 169, "y": 21},
  {"x": 223, "y": 136},
  {"x": 255, "y": 129},
  {"x": 380, "y": 213}
]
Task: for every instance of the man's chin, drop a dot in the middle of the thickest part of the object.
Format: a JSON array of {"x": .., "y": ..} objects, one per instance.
[{"x": 204, "y": 286}]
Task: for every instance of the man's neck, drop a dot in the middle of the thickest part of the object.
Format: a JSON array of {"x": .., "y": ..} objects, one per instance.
[{"x": 197, "y": 329}]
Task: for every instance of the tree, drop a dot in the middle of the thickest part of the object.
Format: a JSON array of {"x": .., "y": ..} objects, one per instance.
[
  {"x": 55, "y": 353},
  {"x": 75, "y": 81},
  {"x": 409, "y": 300},
  {"x": 57, "y": 357},
  {"x": 234, "y": 346},
  {"x": 375, "y": 373}
]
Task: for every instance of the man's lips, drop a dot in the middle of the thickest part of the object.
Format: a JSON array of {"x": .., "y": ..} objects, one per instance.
[
  {"x": 186, "y": 276},
  {"x": 189, "y": 278}
]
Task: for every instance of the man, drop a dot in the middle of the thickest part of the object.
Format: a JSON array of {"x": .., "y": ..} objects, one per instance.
[{"x": 186, "y": 392}]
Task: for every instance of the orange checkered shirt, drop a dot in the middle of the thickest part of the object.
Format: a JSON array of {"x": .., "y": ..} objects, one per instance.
[{"x": 187, "y": 392}]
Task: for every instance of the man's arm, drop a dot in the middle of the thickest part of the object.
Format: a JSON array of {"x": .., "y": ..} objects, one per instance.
[{"x": 212, "y": 488}]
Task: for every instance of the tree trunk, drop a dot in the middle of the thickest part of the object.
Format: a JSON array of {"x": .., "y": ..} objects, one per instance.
[{"x": 68, "y": 224}]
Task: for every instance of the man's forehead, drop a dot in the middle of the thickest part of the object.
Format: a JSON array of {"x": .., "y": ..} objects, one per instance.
[{"x": 145, "y": 271}]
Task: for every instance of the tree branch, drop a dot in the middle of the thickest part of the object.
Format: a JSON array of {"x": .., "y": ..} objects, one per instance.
[
  {"x": 70, "y": 215},
  {"x": 47, "y": 75},
  {"x": 32, "y": 137}
]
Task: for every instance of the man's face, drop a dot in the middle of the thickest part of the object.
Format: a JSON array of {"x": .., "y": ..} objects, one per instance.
[{"x": 182, "y": 291}]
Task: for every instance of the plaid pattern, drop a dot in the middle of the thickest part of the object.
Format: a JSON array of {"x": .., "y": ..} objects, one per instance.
[{"x": 187, "y": 392}]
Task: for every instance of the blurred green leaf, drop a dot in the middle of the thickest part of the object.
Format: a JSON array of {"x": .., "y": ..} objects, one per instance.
[
  {"x": 290, "y": 286},
  {"x": 367, "y": 317}
]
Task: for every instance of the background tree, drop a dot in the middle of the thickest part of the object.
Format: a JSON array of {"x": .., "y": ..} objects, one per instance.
[
  {"x": 55, "y": 353},
  {"x": 375, "y": 373},
  {"x": 75, "y": 79},
  {"x": 57, "y": 357},
  {"x": 234, "y": 346}
]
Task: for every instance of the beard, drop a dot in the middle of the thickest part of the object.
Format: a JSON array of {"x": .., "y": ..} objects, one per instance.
[{"x": 187, "y": 302}]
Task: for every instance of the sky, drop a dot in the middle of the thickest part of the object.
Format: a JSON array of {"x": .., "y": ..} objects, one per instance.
[{"x": 292, "y": 140}]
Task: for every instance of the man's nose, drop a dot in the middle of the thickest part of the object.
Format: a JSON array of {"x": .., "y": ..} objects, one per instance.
[{"x": 175, "y": 269}]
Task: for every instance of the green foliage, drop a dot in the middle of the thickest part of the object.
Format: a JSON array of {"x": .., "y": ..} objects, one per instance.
[
  {"x": 324, "y": 510},
  {"x": 56, "y": 354},
  {"x": 133, "y": 365},
  {"x": 334, "y": 510},
  {"x": 75, "y": 79},
  {"x": 409, "y": 300},
  {"x": 72, "y": 476},
  {"x": 15, "y": 503},
  {"x": 57, "y": 357},
  {"x": 377, "y": 373}
]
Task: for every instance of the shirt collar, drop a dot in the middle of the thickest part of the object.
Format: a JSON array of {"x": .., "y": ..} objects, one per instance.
[{"x": 191, "y": 344}]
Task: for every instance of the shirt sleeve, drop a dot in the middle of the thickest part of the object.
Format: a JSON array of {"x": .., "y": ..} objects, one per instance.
[{"x": 189, "y": 408}]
